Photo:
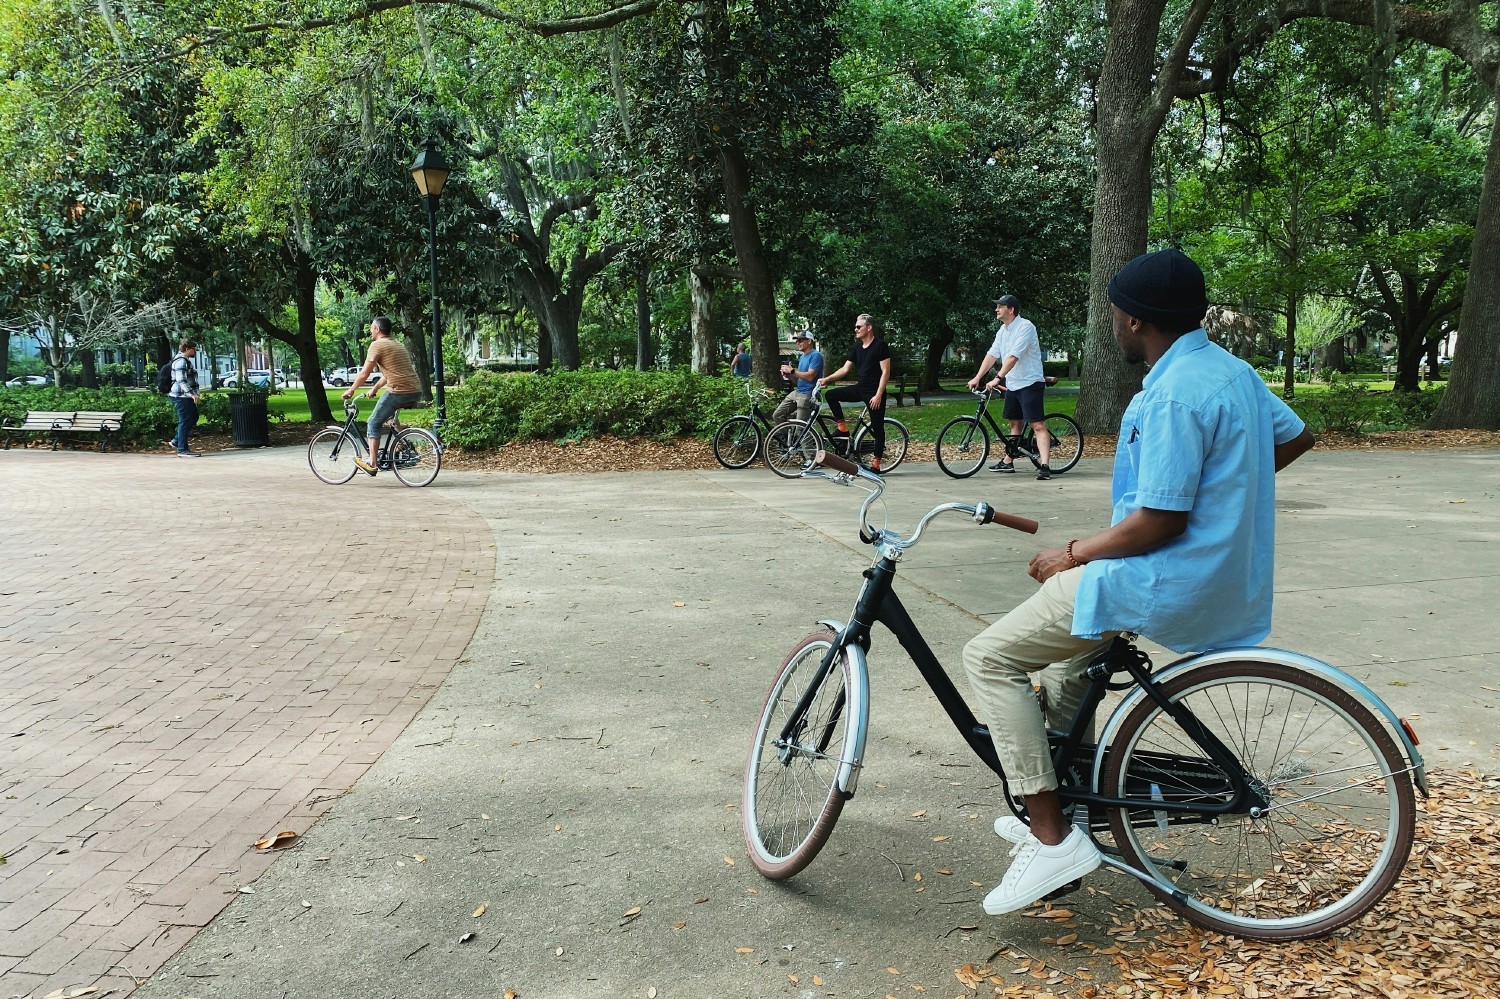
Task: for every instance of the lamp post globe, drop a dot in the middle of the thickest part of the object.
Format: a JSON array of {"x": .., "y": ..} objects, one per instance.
[{"x": 430, "y": 172}]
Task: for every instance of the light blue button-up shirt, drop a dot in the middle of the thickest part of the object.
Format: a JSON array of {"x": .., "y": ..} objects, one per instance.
[{"x": 1200, "y": 436}]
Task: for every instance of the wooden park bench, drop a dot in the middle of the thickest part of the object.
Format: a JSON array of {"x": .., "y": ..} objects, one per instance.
[
  {"x": 902, "y": 392},
  {"x": 100, "y": 424}
]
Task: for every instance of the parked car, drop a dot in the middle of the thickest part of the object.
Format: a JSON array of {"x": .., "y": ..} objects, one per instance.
[
  {"x": 259, "y": 378},
  {"x": 339, "y": 377},
  {"x": 21, "y": 381}
]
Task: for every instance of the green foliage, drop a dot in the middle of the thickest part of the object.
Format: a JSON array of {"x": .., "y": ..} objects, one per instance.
[
  {"x": 1344, "y": 408},
  {"x": 491, "y": 409}
]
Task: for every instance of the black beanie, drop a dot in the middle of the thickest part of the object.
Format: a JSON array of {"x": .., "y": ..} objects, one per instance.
[{"x": 1164, "y": 288}]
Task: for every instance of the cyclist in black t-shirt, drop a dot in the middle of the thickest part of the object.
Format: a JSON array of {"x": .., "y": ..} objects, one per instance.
[{"x": 870, "y": 359}]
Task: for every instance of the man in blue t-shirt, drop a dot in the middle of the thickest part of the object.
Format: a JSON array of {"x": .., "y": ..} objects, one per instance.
[
  {"x": 1186, "y": 561},
  {"x": 740, "y": 366},
  {"x": 806, "y": 374}
]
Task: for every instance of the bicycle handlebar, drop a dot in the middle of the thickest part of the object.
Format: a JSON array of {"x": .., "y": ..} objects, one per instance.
[{"x": 891, "y": 543}]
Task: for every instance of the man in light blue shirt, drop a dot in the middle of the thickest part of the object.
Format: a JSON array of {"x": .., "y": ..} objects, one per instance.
[
  {"x": 804, "y": 377},
  {"x": 1186, "y": 561}
]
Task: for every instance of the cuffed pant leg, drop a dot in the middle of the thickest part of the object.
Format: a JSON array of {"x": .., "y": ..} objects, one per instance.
[{"x": 1001, "y": 661}]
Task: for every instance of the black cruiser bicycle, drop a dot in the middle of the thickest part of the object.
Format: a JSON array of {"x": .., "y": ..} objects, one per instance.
[{"x": 1255, "y": 791}]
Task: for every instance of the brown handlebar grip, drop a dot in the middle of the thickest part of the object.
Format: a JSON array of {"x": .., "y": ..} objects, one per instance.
[
  {"x": 833, "y": 461},
  {"x": 1010, "y": 520}
]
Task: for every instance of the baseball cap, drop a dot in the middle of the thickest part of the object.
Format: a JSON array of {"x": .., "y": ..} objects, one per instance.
[
  {"x": 1009, "y": 301},
  {"x": 801, "y": 335}
]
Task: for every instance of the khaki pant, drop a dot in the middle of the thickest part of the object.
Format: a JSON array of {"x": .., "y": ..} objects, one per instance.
[
  {"x": 795, "y": 402},
  {"x": 1001, "y": 661}
]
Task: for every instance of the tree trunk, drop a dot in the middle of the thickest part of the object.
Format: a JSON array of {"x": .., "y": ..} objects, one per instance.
[
  {"x": 755, "y": 270},
  {"x": 1472, "y": 397},
  {"x": 705, "y": 337},
  {"x": 305, "y": 342},
  {"x": 90, "y": 376},
  {"x": 1122, "y": 204},
  {"x": 1289, "y": 351},
  {"x": 643, "y": 359},
  {"x": 4, "y": 355},
  {"x": 932, "y": 361}
]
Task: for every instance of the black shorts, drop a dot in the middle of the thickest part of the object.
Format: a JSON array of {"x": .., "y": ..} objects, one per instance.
[{"x": 1025, "y": 403}]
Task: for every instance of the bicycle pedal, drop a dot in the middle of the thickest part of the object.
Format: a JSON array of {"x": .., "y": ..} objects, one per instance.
[{"x": 1066, "y": 889}]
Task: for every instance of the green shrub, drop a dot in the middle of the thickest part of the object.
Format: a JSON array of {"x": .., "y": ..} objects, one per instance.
[
  {"x": 492, "y": 408},
  {"x": 1366, "y": 363},
  {"x": 1344, "y": 408},
  {"x": 149, "y": 418},
  {"x": 1406, "y": 410}
]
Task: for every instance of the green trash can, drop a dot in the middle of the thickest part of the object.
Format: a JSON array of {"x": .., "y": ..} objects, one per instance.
[{"x": 249, "y": 419}]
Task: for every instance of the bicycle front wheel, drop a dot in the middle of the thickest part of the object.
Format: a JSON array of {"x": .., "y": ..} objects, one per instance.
[
  {"x": 416, "y": 456},
  {"x": 792, "y": 447},
  {"x": 1341, "y": 812},
  {"x": 963, "y": 446},
  {"x": 1067, "y": 442},
  {"x": 896, "y": 439},
  {"x": 737, "y": 442},
  {"x": 331, "y": 454},
  {"x": 791, "y": 800}
]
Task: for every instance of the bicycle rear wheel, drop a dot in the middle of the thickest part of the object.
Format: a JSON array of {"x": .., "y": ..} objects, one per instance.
[
  {"x": 896, "y": 439},
  {"x": 791, "y": 448},
  {"x": 962, "y": 447},
  {"x": 331, "y": 454},
  {"x": 791, "y": 800},
  {"x": 416, "y": 456},
  {"x": 1341, "y": 811},
  {"x": 1067, "y": 442},
  {"x": 737, "y": 442}
]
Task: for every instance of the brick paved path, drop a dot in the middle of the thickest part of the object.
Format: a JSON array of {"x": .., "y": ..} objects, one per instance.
[{"x": 195, "y": 654}]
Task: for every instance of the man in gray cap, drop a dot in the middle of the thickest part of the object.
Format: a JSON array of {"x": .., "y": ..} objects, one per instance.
[
  {"x": 803, "y": 377},
  {"x": 1186, "y": 561},
  {"x": 1019, "y": 353}
]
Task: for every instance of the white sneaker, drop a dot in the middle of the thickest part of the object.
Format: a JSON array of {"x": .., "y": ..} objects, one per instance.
[
  {"x": 1038, "y": 870},
  {"x": 1011, "y": 829}
]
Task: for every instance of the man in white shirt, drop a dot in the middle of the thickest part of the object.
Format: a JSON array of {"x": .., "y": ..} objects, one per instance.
[{"x": 1019, "y": 353}]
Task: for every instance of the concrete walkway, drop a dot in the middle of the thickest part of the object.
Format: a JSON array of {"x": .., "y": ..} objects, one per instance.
[{"x": 569, "y": 795}]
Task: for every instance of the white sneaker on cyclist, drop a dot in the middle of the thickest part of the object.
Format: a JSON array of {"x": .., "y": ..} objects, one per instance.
[
  {"x": 1011, "y": 829},
  {"x": 1038, "y": 870}
]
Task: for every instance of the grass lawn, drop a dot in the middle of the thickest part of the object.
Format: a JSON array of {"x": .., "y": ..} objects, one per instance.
[{"x": 292, "y": 404}]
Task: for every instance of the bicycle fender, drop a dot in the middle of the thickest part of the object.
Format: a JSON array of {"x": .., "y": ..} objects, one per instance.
[
  {"x": 850, "y": 765},
  {"x": 1283, "y": 657},
  {"x": 852, "y": 761}
]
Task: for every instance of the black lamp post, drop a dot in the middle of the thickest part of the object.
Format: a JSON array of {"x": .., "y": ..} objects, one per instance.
[{"x": 430, "y": 171}]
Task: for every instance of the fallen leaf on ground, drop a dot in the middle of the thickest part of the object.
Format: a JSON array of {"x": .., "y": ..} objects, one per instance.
[{"x": 277, "y": 839}]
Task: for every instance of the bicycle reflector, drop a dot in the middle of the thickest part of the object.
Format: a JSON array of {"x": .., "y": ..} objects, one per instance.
[{"x": 1406, "y": 725}]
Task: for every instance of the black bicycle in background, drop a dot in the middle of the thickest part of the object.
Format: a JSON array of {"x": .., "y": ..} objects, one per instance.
[
  {"x": 414, "y": 454},
  {"x": 791, "y": 446},
  {"x": 963, "y": 446},
  {"x": 737, "y": 441},
  {"x": 1255, "y": 791}
]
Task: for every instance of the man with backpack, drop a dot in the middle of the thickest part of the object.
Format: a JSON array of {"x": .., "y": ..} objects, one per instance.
[{"x": 183, "y": 390}]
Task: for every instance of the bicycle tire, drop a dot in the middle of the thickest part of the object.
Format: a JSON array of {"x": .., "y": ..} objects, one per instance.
[
  {"x": 416, "y": 456},
  {"x": 737, "y": 442},
  {"x": 791, "y": 447},
  {"x": 331, "y": 454},
  {"x": 1342, "y": 813},
  {"x": 791, "y": 799},
  {"x": 1067, "y": 442},
  {"x": 963, "y": 446},
  {"x": 896, "y": 439}
]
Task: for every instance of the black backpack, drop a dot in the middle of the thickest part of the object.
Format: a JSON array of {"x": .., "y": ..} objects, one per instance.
[{"x": 164, "y": 377}]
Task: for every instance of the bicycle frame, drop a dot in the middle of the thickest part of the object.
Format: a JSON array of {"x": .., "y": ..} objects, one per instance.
[
  {"x": 1013, "y": 444},
  {"x": 878, "y": 602},
  {"x": 356, "y": 433}
]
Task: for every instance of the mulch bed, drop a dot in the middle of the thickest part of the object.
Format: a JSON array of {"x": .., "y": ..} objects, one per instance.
[{"x": 1433, "y": 935}]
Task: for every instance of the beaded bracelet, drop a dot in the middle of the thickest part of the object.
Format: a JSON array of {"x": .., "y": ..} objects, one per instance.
[{"x": 1073, "y": 562}]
